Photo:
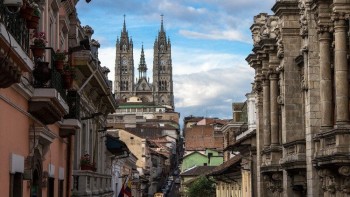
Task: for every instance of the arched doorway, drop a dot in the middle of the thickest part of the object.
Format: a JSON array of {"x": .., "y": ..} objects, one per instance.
[{"x": 36, "y": 183}]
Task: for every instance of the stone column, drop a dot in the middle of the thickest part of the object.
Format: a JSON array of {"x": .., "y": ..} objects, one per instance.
[
  {"x": 326, "y": 92},
  {"x": 266, "y": 111},
  {"x": 341, "y": 70},
  {"x": 274, "y": 108}
]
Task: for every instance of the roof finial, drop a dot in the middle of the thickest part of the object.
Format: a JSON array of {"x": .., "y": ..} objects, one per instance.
[
  {"x": 124, "y": 26},
  {"x": 161, "y": 25}
]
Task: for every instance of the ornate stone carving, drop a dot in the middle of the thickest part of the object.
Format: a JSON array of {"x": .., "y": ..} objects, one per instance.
[
  {"x": 274, "y": 182},
  {"x": 339, "y": 16},
  {"x": 327, "y": 180},
  {"x": 268, "y": 30},
  {"x": 259, "y": 21},
  {"x": 344, "y": 170},
  {"x": 257, "y": 87},
  {"x": 303, "y": 19},
  {"x": 88, "y": 30},
  {"x": 280, "y": 68},
  {"x": 280, "y": 100}
]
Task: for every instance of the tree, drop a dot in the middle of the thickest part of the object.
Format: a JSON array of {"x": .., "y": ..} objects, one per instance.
[{"x": 202, "y": 186}]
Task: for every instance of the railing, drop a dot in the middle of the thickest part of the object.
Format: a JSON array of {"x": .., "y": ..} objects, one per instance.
[
  {"x": 73, "y": 101},
  {"x": 16, "y": 26},
  {"x": 88, "y": 183},
  {"x": 55, "y": 78}
]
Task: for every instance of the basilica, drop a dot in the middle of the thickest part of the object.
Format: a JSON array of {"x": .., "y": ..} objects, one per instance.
[{"x": 157, "y": 92}]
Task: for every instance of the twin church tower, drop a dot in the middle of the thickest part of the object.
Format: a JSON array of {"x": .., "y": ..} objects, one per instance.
[{"x": 160, "y": 91}]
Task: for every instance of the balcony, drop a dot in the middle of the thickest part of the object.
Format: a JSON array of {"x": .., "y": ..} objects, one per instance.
[
  {"x": 294, "y": 157},
  {"x": 89, "y": 67},
  {"x": 14, "y": 47},
  {"x": 48, "y": 103},
  {"x": 88, "y": 183},
  {"x": 332, "y": 147}
]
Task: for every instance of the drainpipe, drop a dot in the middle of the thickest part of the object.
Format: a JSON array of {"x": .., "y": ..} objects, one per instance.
[{"x": 68, "y": 165}]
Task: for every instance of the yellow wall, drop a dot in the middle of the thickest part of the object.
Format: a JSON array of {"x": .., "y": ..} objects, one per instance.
[
  {"x": 134, "y": 145},
  {"x": 246, "y": 183},
  {"x": 228, "y": 189}
]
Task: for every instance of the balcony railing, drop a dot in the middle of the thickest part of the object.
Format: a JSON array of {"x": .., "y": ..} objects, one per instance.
[
  {"x": 73, "y": 101},
  {"x": 16, "y": 26},
  {"x": 55, "y": 79},
  {"x": 88, "y": 183}
]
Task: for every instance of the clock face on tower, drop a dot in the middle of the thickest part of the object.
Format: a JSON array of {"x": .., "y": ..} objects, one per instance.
[{"x": 124, "y": 61}]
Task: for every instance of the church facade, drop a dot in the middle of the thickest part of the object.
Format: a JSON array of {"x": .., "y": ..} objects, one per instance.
[{"x": 160, "y": 90}]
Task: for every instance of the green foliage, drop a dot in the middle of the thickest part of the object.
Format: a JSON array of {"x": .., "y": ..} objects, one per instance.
[{"x": 203, "y": 186}]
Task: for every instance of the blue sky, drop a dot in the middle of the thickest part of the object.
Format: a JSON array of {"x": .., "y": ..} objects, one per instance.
[{"x": 210, "y": 41}]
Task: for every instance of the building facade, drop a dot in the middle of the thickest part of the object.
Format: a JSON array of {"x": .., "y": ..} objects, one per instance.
[
  {"x": 301, "y": 86},
  {"x": 160, "y": 91},
  {"x": 50, "y": 115}
]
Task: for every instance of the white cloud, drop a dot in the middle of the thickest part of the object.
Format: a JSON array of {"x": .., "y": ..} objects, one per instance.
[
  {"x": 232, "y": 35},
  {"x": 207, "y": 79}
]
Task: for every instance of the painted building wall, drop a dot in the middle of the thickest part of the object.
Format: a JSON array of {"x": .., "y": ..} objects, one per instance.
[
  {"x": 16, "y": 127},
  {"x": 135, "y": 145},
  {"x": 228, "y": 190},
  {"x": 194, "y": 159}
]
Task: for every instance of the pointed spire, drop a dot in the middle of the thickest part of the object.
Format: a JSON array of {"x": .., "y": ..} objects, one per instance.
[
  {"x": 142, "y": 66},
  {"x": 161, "y": 25},
  {"x": 124, "y": 25}
]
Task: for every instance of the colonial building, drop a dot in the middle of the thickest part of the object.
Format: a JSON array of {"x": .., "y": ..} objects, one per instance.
[
  {"x": 300, "y": 57},
  {"x": 237, "y": 175},
  {"x": 160, "y": 91},
  {"x": 52, "y": 115}
]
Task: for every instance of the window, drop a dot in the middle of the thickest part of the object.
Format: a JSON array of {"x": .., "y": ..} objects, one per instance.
[
  {"x": 162, "y": 85},
  {"x": 50, "y": 187},
  {"x": 124, "y": 85},
  {"x": 16, "y": 185},
  {"x": 60, "y": 188}
]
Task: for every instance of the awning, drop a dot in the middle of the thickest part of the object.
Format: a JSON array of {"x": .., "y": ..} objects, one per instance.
[{"x": 116, "y": 146}]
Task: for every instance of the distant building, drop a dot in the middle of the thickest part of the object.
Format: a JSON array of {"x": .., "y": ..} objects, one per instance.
[
  {"x": 160, "y": 91},
  {"x": 207, "y": 158},
  {"x": 202, "y": 134}
]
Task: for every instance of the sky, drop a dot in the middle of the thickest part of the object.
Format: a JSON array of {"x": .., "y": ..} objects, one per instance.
[{"x": 210, "y": 40}]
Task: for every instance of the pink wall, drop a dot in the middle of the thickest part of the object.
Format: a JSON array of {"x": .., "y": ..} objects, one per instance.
[{"x": 14, "y": 138}]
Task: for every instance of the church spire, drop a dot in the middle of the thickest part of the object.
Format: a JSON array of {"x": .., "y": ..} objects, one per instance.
[
  {"x": 161, "y": 25},
  {"x": 124, "y": 25},
  {"x": 142, "y": 66}
]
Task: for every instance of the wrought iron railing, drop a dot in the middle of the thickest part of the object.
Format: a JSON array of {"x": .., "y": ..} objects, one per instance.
[
  {"x": 73, "y": 100},
  {"x": 16, "y": 26},
  {"x": 55, "y": 78}
]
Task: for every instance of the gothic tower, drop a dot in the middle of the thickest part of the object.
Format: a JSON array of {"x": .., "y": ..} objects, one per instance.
[
  {"x": 124, "y": 66},
  {"x": 162, "y": 70}
]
